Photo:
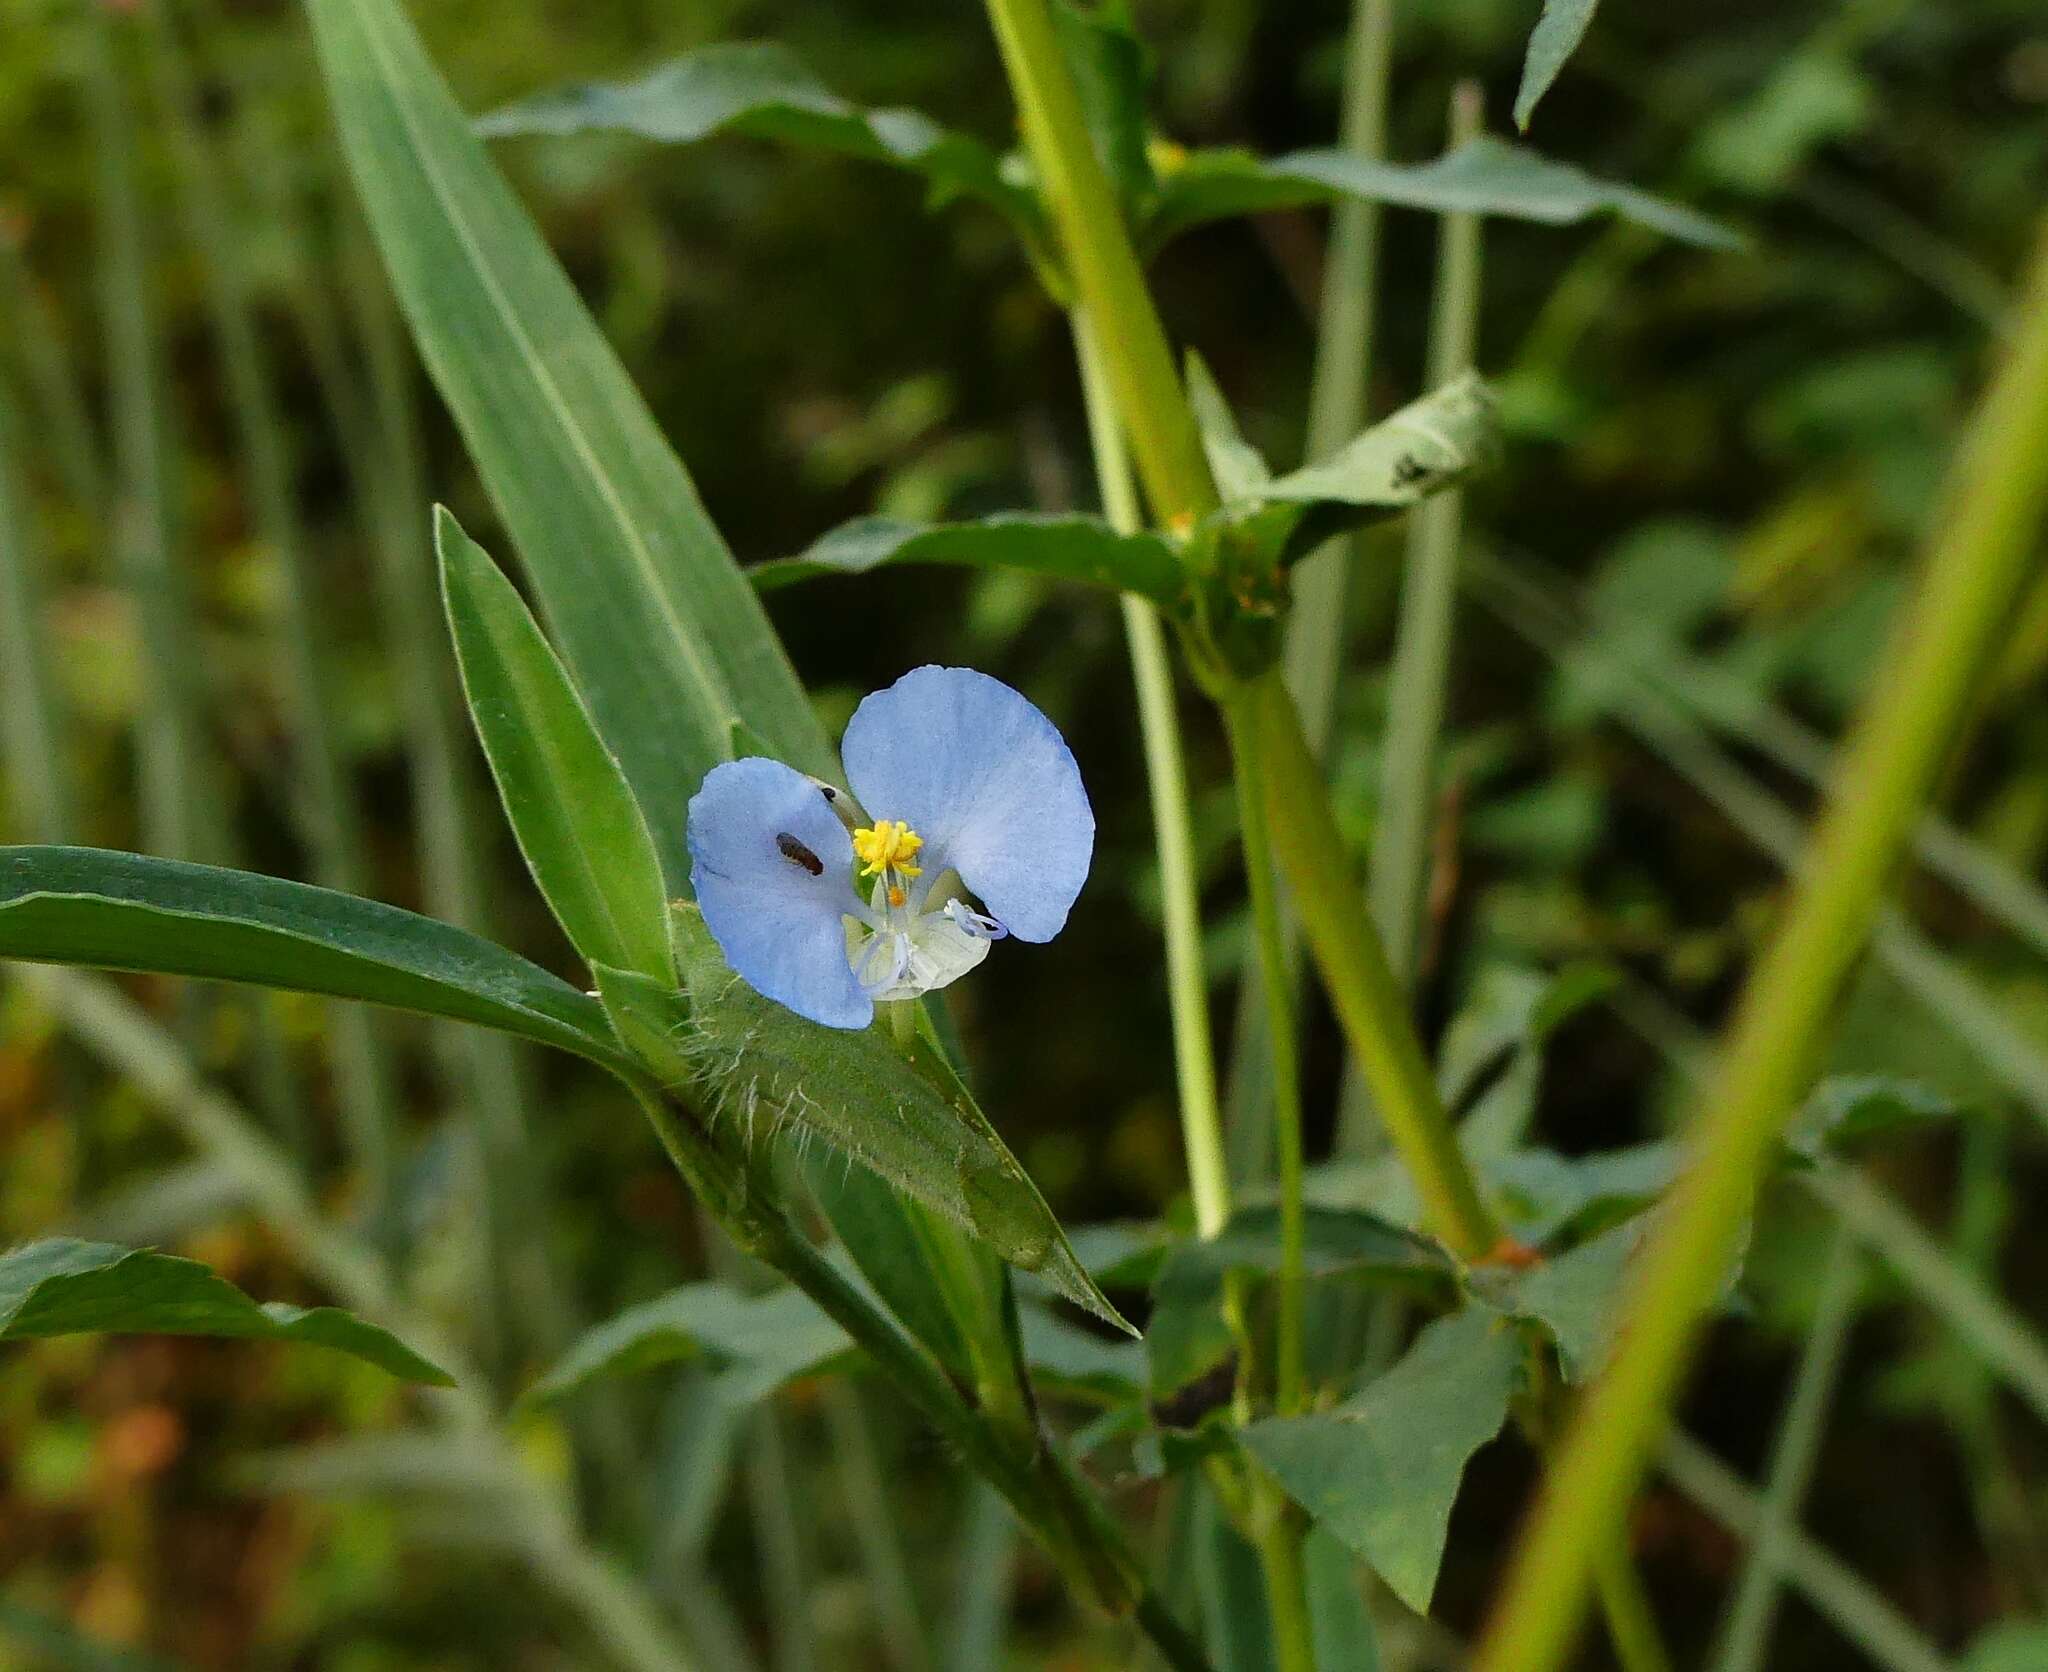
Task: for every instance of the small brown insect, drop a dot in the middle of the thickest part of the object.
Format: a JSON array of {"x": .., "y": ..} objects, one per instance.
[{"x": 797, "y": 854}]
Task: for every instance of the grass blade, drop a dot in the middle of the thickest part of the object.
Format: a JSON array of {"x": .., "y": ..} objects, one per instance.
[{"x": 31, "y": 741}]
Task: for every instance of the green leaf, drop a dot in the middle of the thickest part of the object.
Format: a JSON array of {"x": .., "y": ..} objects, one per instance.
[
  {"x": 767, "y": 1339},
  {"x": 1381, "y": 1471},
  {"x": 1346, "y": 1640},
  {"x": 1847, "y": 1108},
  {"x": 1551, "y": 43},
  {"x": 760, "y": 89},
  {"x": 1426, "y": 446},
  {"x": 1484, "y": 176},
  {"x": 1490, "y": 1069},
  {"x": 662, "y": 634},
  {"x": 1188, "y": 1343},
  {"x": 65, "y": 1287},
  {"x": 915, "y": 1125},
  {"x": 576, "y": 820},
  {"x": 1548, "y": 1195},
  {"x": 1240, "y": 469},
  {"x": 126, "y": 911},
  {"x": 1074, "y": 548}
]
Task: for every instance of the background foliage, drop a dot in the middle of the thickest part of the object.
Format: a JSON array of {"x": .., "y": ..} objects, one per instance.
[{"x": 1734, "y": 452}]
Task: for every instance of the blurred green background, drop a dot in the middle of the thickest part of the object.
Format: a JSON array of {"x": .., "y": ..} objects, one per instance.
[{"x": 1733, "y": 452}]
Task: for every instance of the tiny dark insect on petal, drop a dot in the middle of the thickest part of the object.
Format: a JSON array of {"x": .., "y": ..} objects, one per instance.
[{"x": 798, "y": 854}]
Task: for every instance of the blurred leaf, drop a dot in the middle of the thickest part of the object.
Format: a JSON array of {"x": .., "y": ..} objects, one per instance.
[
  {"x": 767, "y": 1339},
  {"x": 2009, "y": 1646},
  {"x": 663, "y": 635},
  {"x": 1188, "y": 1343},
  {"x": 1346, "y": 1640},
  {"x": 1549, "y": 1195},
  {"x": 914, "y": 1125},
  {"x": 1110, "y": 72},
  {"x": 760, "y": 89},
  {"x": 65, "y": 1287},
  {"x": 1551, "y": 43},
  {"x": 1075, "y": 548},
  {"x": 1490, "y": 1066},
  {"x": 127, "y": 911},
  {"x": 1381, "y": 1471},
  {"x": 1484, "y": 176},
  {"x": 58, "y": 1646},
  {"x": 1240, "y": 470},
  {"x": 1846, "y": 1108},
  {"x": 1068, "y": 1359},
  {"x": 1807, "y": 101},
  {"x": 577, "y": 822}
]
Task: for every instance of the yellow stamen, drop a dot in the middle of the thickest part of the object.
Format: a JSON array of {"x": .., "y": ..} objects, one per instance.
[{"x": 885, "y": 846}]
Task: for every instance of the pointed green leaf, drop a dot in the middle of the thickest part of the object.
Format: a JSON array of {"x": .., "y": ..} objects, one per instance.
[
  {"x": 576, "y": 820},
  {"x": 65, "y": 1287},
  {"x": 664, "y": 637},
  {"x": 127, "y": 911},
  {"x": 1846, "y": 1108},
  {"x": 1551, "y": 43},
  {"x": 916, "y": 1126},
  {"x": 1072, "y": 548},
  {"x": 1484, "y": 176},
  {"x": 760, "y": 89},
  {"x": 1381, "y": 1471},
  {"x": 1240, "y": 469}
]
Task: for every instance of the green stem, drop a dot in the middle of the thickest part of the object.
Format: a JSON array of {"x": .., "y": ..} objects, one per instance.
[
  {"x": 1746, "y": 1631},
  {"x": 1368, "y": 1000},
  {"x": 1107, "y": 278},
  {"x": 1286, "y": 1576},
  {"x": 1272, "y": 966},
  {"x": 1919, "y": 703},
  {"x": 1631, "y": 1626},
  {"x": 1402, "y": 842},
  {"x": 1187, "y": 988}
]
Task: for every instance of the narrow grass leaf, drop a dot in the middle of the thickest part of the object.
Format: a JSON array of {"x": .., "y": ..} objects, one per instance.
[
  {"x": 1484, "y": 176},
  {"x": 131, "y": 912},
  {"x": 663, "y": 635},
  {"x": 65, "y": 1287},
  {"x": 568, "y": 802}
]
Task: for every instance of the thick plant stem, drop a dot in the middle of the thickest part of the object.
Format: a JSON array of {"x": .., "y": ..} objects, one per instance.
[
  {"x": 1187, "y": 991},
  {"x": 1420, "y": 674},
  {"x": 1369, "y": 1002},
  {"x": 1920, "y": 700},
  {"x": 1272, "y": 965},
  {"x": 1104, "y": 266}
]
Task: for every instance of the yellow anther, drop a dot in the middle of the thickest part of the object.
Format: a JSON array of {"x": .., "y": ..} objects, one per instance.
[
  {"x": 887, "y": 846},
  {"x": 897, "y": 896}
]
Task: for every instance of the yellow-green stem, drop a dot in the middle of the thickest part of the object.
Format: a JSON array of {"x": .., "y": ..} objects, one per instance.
[
  {"x": 1272, "y": 953},
  {"x": 1919, "y": 703},
  {"x": 1369, "y": 1002},
  {"x": 1286, "y": 1576},
  {"x": 1187, "y": 989},
  {"x": 1103, "y": 264}
]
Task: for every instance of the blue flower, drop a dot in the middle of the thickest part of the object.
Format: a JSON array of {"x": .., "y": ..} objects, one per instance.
[{"x": 828, "y": 910}]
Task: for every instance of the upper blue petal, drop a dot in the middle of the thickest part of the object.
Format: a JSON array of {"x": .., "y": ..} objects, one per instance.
[
  {"x": 987, "y": 781},
  {"x": 777, "y": 923}
]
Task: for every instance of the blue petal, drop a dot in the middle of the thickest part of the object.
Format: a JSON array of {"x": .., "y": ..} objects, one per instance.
[
  {"x": 777, "y": 922},
  {"x": 987, "y": 781}
]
